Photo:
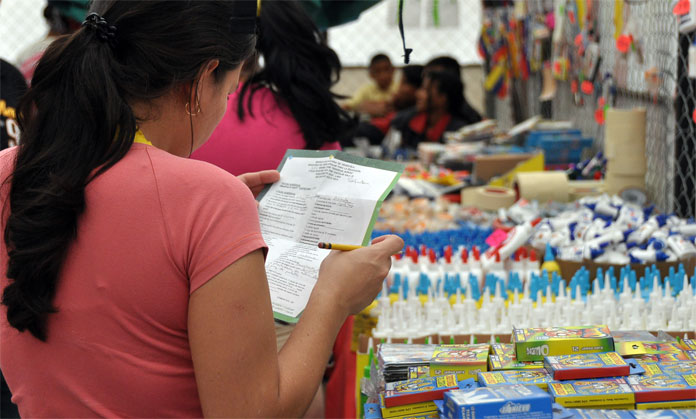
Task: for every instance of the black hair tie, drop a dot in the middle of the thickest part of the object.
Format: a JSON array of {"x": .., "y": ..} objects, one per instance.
[{"x": 104, "y": 31}]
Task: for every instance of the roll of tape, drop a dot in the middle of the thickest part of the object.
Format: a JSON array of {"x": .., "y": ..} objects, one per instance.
[
  {"x": 635, "y": 196},
  {"x": 624, "y": 141},
  {"x": 542, "y": 186},
  {"x": 492, "y": 198}
]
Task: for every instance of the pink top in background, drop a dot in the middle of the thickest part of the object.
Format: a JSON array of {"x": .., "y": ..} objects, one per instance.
[
  {"x": 258, "y": 142},
  {"x": 156, "y": 228}
]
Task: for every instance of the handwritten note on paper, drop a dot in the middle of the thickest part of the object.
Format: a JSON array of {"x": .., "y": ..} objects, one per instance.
[{"x": 327, "y": 196}]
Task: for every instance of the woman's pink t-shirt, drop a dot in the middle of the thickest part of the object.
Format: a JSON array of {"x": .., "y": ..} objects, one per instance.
[
  {"x": 258, "y": 142},
  {"x": 156, "y": 228}
]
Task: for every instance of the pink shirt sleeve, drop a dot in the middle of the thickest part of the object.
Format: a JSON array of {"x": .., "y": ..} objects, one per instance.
[{"x": 211, "y": 219}]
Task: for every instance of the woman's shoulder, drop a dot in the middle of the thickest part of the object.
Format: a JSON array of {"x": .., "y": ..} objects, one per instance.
[{"x": 188, "y": 178}]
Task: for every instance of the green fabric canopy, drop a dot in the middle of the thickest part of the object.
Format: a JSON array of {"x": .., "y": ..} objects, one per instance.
[
  {"x": 73, "y": 9},
  {"x": 329, "y": 13}
]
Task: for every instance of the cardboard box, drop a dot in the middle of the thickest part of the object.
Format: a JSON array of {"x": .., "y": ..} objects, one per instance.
[
  {"x": 489, "y": 166},
  {"x": 568, "y": 268}
]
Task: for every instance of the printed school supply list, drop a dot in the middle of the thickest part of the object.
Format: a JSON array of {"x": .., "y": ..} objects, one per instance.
[{"x": 328, "y": 196}]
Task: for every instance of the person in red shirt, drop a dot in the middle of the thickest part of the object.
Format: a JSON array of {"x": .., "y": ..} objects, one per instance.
[{"x": 438, "y": 110}]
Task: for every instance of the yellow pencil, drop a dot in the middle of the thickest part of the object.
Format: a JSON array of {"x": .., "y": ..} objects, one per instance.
[{"x": 335, "y": 246}]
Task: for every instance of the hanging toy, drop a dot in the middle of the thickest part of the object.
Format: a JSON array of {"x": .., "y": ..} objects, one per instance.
[{"x": 607, "y": 97}]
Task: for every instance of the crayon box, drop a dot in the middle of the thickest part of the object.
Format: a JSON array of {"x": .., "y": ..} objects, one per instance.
[
  {"x": 675, "y": 404},
  {"x": 663, "y": 414},
  {"x": 406, "y": 409},
  {"x": 582, "y": 366},
  {"x": 426, "y": 389},
  {"x": 663, "y": 387},
  {"x": 669, "y": 367},
  {"x": 605, "y": 393},
  {"x": 534, "y": 344},
  {"x": 515, "y": 401},
  {"x": 539, "y": 378},
  {"x": 466, "y": 361},
  {"x": 503, "y": 357}
]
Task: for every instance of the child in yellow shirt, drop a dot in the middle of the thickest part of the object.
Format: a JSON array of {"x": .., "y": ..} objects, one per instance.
[{"x": 375, "y": 98}]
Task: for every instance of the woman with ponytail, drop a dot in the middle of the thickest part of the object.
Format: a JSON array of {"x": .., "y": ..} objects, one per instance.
[
  {"x": 133, "y": 279},
  {"x": 288, "y": 103}
]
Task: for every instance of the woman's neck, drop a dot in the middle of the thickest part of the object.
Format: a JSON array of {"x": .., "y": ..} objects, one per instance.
[{"x": 164, "y": 127}]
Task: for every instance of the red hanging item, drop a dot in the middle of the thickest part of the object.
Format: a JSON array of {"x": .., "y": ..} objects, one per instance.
[
  {"x": 578, "y": 40},
  {"x": 623, "y": 43},
  {"x": 502, "y": 92},
  {"x": 574, "y": 86},
  {"x": 599, "y": 116},
  {"x": 681, "y": 8},
  {"x": 587, "y": 87}
]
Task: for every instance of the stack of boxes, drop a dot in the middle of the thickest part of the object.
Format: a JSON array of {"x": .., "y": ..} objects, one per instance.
[{"x": 543, "y": 373}]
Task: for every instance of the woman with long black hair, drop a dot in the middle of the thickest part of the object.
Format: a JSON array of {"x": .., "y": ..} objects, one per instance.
[
  {"x": 440, "y": 107},
  {"x": 288, "y": 104},
  {"x": 133, "y": 279}
]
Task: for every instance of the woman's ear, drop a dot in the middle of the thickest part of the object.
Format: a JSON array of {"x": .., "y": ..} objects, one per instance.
[{"x": 209, "y": 68}]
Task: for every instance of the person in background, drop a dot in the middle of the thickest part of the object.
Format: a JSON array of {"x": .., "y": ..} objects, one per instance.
[
  {"x": 451, "y": 66},
  {"x": 375, "y": 98},
  {"x": 132, "y": 277},
  {"x": 444, "y": 63},
  {"x": 63, "y": 17},
  {"x": 404, "y": 98},
  {"x": 288, "y": 104},
  {"x": 12, "y": 87},
  {"x": 411, "y": 81},
  {"x": 438, "y": 110}
]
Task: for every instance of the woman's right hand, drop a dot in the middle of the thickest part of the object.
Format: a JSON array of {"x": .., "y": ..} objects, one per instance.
[{"x": 351, "y": 280}]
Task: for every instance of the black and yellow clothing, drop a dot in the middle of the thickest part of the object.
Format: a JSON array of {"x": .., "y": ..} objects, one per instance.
[{"x": 12, "y": 87}]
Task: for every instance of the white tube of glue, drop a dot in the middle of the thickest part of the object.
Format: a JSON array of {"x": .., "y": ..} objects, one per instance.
[
  {"x": 685, "y": 229},
  {"x": 681, "y": 246}
]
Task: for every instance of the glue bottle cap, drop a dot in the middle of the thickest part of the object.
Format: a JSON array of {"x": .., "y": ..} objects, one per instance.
[{"x": 548, "y": 256}]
